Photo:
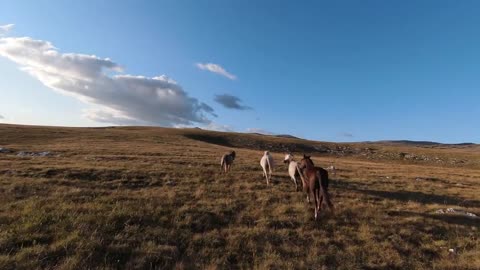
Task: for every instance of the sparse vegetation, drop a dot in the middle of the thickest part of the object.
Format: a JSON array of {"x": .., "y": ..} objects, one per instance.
[{"x": 138, "y": 197}]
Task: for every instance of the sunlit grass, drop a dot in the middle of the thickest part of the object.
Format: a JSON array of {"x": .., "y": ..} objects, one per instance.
[{"x": 155, "y": 198}]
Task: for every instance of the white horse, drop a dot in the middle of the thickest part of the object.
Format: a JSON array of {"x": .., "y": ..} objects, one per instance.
[
  {"x": 267, "y": 164},
  {"x": 293, "y": 171}
]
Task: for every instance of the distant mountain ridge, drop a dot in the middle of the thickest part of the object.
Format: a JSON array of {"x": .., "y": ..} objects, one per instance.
[
  {"x": 286, "y": 136},
  {"x": 422, "y": 143}
]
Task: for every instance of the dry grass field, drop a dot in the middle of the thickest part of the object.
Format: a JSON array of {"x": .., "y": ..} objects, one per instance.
[{"x": 154, "y": 198}]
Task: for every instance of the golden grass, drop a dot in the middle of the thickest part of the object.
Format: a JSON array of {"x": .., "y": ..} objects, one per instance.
[{"x": 155, "y": 198}]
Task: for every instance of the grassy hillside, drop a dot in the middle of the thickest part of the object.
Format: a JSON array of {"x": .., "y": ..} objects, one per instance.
[{"x": 141, "y": 197}]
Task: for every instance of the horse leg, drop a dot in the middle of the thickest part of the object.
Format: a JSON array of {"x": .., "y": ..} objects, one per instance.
[
  {"x": 265, "y": 174},
  {"x": 312, "y": 194},
  {"x": 304, "y": 186},
  {"x": 319, "y": 204},
  {"x": 306, "y": 189},
  {"x": 322, "y": 202},
  {"x": 295, "y": 182}
]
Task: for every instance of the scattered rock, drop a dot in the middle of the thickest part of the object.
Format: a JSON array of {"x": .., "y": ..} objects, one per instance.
[
  {"x": 470, "y": 214},
  {"x": 34, "y": 154},
  {"x": 170, "y": 183},
  {"x": 332, "y": 169},
  {"x": 5, "y": 150},
  {"x": 457, "y": 212}
]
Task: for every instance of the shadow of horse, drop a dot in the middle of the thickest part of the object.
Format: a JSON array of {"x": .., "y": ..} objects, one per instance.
[{"x": 406, "y": 196}]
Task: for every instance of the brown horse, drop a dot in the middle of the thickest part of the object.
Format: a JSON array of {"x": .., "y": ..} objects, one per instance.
[
  {"x": 315, "y": 181},
  {"x": 227, "y": 161}
]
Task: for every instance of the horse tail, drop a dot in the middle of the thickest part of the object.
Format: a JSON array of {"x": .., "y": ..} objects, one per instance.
[
  {"x": 304, "y": 182},
  {"x": 323, "y": 181}
]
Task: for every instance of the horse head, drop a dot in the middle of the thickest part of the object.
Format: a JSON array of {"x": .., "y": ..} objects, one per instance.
[
  {"x": 305, "y": 162},
  {"x": 288, "y": 158}
]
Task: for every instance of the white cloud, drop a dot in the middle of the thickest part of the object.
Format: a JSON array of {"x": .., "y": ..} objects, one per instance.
[
  {"x": 218, "y": 127},
  {"x": 1, "y": 117},
  {"x": 259, "y": 130},
  {"x": 121, "y": 99},
  {"x": 4, "y": 29},
  {"x": 110, "y": 116},
  {"x": 216, "y": 69}
]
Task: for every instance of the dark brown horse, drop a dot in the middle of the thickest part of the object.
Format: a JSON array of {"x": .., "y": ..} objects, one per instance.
[
  {"x": 315, "y": 181},
  {"x": 227, "y": 160}
]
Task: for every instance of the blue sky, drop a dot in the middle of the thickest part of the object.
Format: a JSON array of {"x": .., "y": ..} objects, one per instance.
[{"x": 343, "y": 71}]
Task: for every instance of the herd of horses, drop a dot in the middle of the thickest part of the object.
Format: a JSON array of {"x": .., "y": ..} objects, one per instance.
[{"x": 314, "y": 179}]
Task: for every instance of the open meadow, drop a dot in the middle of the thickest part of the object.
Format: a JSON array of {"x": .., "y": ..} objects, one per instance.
[{"x": 155, "y": 198}]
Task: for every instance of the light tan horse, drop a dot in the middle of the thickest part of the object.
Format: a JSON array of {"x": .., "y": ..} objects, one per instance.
[
  {"x": 293, "y": 170},
  {"x": 227, "y": 161},
  {"x": 267, "y": 165}
]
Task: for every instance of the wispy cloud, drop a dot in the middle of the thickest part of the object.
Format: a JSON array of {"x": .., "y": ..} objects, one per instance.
[
  {"x": 1, "y": 117},
  {"x": 231, "y": 102},
  {"x": 120, "y": 99},
  {"x": 4, "y": 29},
  {"x": 259, "y": 130},
  {"x": 347, "y": 134},
  {"x": 216, "y": 69}
]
